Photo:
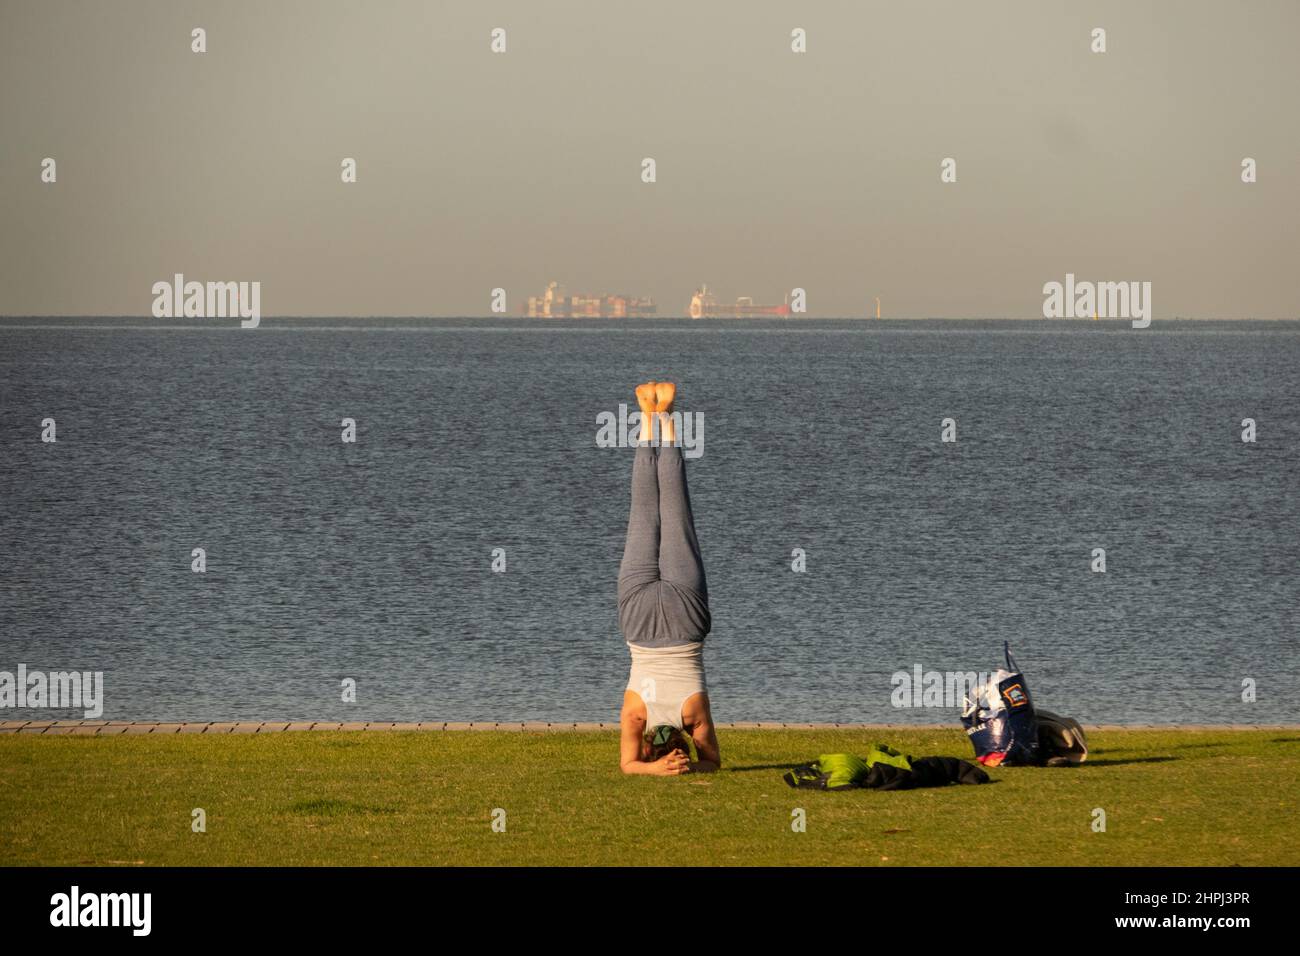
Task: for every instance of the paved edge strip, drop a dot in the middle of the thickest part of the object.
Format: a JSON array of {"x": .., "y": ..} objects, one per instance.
[{"x": 108, "y": 728}]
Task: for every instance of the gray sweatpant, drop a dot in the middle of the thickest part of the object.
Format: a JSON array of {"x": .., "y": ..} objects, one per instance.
[{"x": 662, "y": 598}]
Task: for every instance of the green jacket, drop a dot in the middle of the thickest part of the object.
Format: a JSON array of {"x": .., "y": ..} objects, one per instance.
[
  {"x": 842, "y": 771},
  {"x": 883, "y": 768}
]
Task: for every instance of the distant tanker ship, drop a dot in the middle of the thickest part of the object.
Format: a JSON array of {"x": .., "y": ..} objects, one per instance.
[{"x": 705, "y": 305}]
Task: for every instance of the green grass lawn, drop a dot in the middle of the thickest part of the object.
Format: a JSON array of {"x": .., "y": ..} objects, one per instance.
[{"x": 1171, "y": 797}]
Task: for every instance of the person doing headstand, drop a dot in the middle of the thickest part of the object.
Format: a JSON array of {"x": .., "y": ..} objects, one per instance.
[{"x": 663, "y": 608}]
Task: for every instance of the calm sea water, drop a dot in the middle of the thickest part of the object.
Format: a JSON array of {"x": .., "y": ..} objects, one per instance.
[{"x": 372, "y": 561}]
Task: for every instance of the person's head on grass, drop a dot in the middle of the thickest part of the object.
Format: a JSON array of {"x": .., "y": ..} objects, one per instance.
[{"x": 662, "y": 740}]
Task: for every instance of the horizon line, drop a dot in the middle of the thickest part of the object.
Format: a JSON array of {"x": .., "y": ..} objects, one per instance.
[{"x": 590, "y": 320}]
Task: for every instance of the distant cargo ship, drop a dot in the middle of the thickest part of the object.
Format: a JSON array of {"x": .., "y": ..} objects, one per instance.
[
  {"x": 705, "y": 305},
  {"x": 556, "y": 303}
]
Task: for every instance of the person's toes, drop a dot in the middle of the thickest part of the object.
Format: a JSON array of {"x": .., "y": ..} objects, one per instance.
[
  {"x": 646, "y": 396},
  {"x": 665, "y": 392}
]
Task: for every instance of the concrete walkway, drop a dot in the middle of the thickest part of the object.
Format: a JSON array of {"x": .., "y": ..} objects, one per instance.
[
  {"x": 106, "y": 728},
  {"x": 110, "y": 727}
]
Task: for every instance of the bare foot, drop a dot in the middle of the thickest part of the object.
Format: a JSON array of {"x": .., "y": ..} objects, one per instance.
[
  {"x": 665, "y": 392},
  {"x": 646, "y": 397}
]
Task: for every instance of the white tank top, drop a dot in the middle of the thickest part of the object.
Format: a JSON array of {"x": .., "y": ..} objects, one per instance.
[{"x": 663, "y": 677}]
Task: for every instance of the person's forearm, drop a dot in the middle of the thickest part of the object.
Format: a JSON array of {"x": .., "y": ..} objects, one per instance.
[
  {"x": 706, "y": 749},
  {"x": 637, "y": 766}
]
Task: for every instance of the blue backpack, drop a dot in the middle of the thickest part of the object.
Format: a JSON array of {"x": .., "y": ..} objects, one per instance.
[{"x": 1000, "y": 721}]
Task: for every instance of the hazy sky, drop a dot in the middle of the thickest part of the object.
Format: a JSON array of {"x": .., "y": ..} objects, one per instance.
[{"x": 775, "y": 169}]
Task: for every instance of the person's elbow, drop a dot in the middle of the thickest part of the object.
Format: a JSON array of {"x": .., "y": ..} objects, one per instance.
[{"x": 706, "y": 761}]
